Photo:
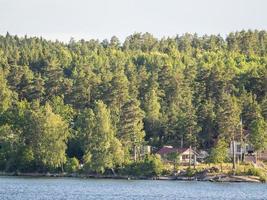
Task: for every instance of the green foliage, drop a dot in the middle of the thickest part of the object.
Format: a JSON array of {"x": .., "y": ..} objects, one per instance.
[
  {"x": 258, "y": 136},
  {"x": 72, "y": 165},
  {"x": 253, "y": 171},
  {"x": 8, "y": 144},
  {"x": 219, "y": 153},
  {"x": 26, "y": 159},
  {"x": 5, "y": 93},
  {"x": 190, "y": 172},
  {"x": 62, "y": 109},
  {"x": 228, "y": 117},
  {"x": 174, "y": 157},
  {"x": 103, "y": 150},
  {"x": 131, "y": 132},
  {"x": 51, "y": 138},
  {"x": 151, "y": 165},
  {"x": 102, "y": 101}
]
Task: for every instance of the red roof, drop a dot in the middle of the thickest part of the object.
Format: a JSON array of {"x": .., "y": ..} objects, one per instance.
[{"x": 167, "y": 150}]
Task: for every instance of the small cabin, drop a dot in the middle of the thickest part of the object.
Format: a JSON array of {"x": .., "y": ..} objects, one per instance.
[{"x": 186, "y": 156}]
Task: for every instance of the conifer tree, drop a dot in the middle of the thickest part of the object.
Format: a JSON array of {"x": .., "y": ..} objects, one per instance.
[
  {"x": 131, "y": 132},
  {"x": 5, "y": 93}
]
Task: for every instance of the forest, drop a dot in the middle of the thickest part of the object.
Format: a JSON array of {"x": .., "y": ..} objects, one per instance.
[{"x": 98, "y": 102}]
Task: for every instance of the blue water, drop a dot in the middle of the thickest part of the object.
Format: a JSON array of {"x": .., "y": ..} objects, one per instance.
[{"x": 19, "y": 188}]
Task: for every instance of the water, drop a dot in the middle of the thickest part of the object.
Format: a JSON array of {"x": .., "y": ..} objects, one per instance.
[{"x": 19, "y": 188}]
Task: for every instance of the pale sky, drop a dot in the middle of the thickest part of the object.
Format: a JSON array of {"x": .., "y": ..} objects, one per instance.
[{"x": 100, "y": 19}]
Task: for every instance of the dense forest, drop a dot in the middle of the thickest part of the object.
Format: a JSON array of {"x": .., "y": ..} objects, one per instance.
[{"x": 99, "y": 102}]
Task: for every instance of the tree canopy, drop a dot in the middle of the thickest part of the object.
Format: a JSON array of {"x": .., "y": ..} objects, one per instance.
[{"x": 100, "y": 102}]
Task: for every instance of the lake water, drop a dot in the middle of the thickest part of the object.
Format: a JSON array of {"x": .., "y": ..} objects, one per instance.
[{"x": 19, "y": 188}]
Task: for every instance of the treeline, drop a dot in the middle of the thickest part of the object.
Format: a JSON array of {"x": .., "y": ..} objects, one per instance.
[{"x": 100, "y": 102}]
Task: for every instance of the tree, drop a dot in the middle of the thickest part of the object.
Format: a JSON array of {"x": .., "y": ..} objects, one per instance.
[
  {"x": 131, "y": 132},
  {"x": 117, "y": 95},
  {"x": 264, "y": 108},
  {"x": 251, "y": 111},
  {"x": 190, "y": 126},
  {"x": 258, "y": 135},
  {"x": 219, "y": 153},
  {"x": 36, "y": 89},
  {"x": 54, "y": 78},
  {"x": 152, "y": 165},
  {"x": 207, "y": 120},
  {"x": 47, "y": 134},
  {"x": 114, "y": 42},
  {"x": 103, "y": 150},
  {"x": 82, "y": 90},
  {"x": 5, "y": 93},
  {"x": 72, "y": 165},
  {"x": 192, "y": 91},
  {"x": 152, "y": 118},
  {"x": 228, "y": 118},
  {"x": 9, "y": 142},
  {"x": 62, "y": 109}
]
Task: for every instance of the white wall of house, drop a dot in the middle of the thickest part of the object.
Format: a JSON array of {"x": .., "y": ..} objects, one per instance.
[
  {"x": 185, "y": 157},
  {"x": 239, "y": 148}
]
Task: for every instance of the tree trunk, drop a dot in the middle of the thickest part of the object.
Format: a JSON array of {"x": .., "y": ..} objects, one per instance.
[
  {"x": 190, "y": 157},
  {"x": 135, "y": 157},
  {"x": 234, "y": 158}
]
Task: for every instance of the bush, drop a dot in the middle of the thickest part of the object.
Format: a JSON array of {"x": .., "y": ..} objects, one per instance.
[
  {"x": 190, "y": 172},
  {"x": 252, "y": 171},
  {"x": 150, "y": 166},
  {"x": 263, "y": 178},
  {"x": 72, "y": 165}
]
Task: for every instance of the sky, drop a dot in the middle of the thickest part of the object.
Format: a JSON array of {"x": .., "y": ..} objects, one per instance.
[{"x": 100, "y": 19}]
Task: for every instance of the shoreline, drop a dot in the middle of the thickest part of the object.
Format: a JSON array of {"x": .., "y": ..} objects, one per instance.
[{"x": 220, "y": 178}]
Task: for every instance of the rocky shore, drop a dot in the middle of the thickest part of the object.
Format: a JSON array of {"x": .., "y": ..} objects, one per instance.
[{"x": 211, "y": 178}]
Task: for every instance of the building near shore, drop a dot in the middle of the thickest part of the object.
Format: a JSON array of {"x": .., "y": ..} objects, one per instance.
[{"x": 186, "y": 156}]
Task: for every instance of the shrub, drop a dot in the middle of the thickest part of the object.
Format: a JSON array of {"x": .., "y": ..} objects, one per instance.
[
  {"x": 190, "y": 172},
  {"x": 151, "y": 165},
  {"x": 72, "y": 165},
  {"x": 253, "y": 171}
]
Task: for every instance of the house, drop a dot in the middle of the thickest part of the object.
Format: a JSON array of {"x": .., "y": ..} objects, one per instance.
[
  {"x": 240, "y": 150},
  {"x": 186, "y": 156}
]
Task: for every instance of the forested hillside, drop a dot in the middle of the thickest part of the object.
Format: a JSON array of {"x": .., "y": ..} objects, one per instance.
[{"x": 101, "y": 101}]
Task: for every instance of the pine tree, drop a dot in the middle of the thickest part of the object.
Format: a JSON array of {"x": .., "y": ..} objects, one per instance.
[
  {"x": 5, "y": 93},
  {"x": 153, "y": 115},
  {"x": 228, "y": 117},
  {"x": 258, "y": 135},
  {"x": 264, "y": 108},
  {"x": 131, "y": 132},
  {"x": 251, "y": 111},
  {"x": 117, "y": 95},
  {"x": 54, "y": 78},
  {"x": 36, "y": 89}
]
